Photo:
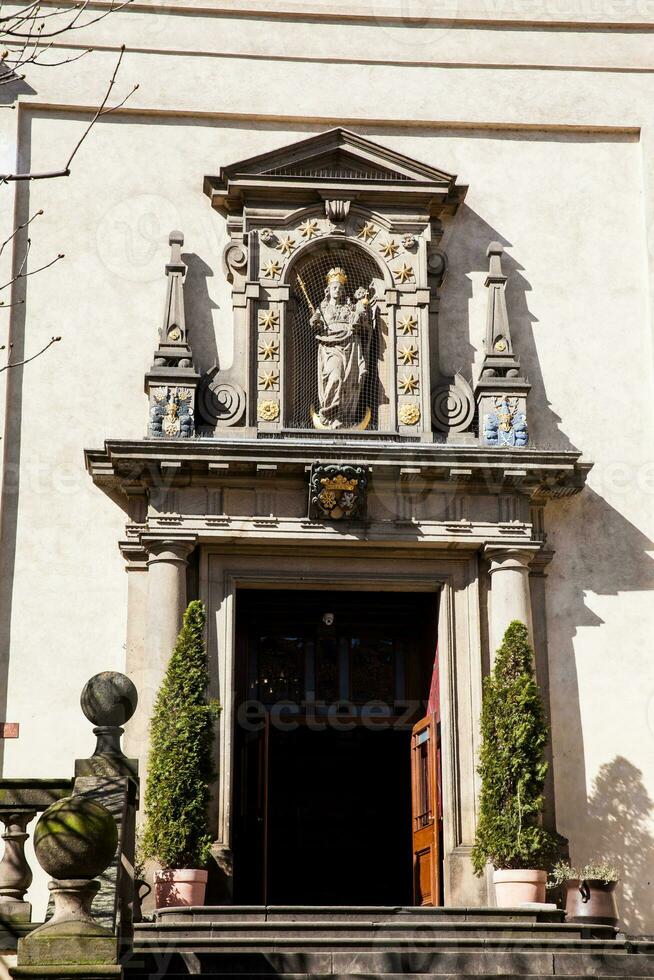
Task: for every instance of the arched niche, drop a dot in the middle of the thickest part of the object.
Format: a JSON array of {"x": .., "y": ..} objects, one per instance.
[{"x": 307, "y": 279}]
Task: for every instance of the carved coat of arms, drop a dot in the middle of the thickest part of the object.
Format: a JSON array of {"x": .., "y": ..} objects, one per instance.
[
  {"x": 337, "y": 492},
  {"x": 505, "y": 426},
  {"x": 171, "y": 413}
]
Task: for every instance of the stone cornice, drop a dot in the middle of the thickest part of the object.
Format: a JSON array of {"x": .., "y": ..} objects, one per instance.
[{"x": 540, "y": 473}]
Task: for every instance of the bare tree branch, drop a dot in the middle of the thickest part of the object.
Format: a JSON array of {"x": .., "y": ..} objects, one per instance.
[
  {"x": 13, "y": 30},
  {"x": 102, "y": 110},
  {"x": 25, "y": 224},
  {"x": 26, "y": 360},
  {"x": 24, "y": 275},
  {"x": 26, "y": 38}
]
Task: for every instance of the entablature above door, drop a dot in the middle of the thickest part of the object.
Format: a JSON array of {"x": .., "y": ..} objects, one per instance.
[{"x": 392, "y": 496}]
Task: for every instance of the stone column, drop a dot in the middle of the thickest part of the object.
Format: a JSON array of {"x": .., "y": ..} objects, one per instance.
[
  {"x": 165, "y": 605},
  {"x": 509, "y": 595},
  {"x": 167, "y": 561}
]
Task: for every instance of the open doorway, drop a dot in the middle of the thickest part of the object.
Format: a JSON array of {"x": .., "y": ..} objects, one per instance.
[{"x": 329, "y": 688}]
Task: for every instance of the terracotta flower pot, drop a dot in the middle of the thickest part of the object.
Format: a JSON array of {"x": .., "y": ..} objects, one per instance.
[
  {"x": 516, "y": 886},
  {"x": 179, "y": 886},
  {"x": 591, "y": 901}
]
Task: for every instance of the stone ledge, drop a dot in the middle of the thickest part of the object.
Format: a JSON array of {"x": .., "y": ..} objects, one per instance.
[{"x": 129, "y": 464}]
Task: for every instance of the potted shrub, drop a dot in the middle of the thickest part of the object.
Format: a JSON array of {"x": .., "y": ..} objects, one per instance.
[
  {"x": 589, "y": 892},
  {"x": 181, "y": 770},
  {"x": 512, "y": 770}
]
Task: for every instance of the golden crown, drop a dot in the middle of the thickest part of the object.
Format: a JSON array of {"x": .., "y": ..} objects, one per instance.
[{"x": 337, "y": 275}]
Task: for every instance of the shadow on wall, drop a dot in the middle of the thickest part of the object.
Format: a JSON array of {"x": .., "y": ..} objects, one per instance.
[
  {"x": 466, "y": 251},
  {"x": 619, "y": 817},
  {"x": 198, "y": 307},
  {"x": 610, "y": 558}
]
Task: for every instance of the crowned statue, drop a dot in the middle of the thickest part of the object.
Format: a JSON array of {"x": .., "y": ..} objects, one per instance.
[{"x": 343, "y": 332}]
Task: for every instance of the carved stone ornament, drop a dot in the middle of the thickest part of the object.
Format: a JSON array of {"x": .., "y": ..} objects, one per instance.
[
  {"x": 337, "y": 211},
  {"x": 337, "y": 492},
  {"x": 235, "y": 260},
  {"x": 220, "y": 403},
  {"x": 453, "y": 406},
  {"x": 171, "y": 413},
  {"x": 409, "y": 413},
  {"x": 172, "y": 380},
  {"x": 268, "y": 411},
  {"x": 506, "y": 425}
]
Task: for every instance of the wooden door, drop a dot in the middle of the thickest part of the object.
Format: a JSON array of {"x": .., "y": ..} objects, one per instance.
[{"x": 424, "y": 795}]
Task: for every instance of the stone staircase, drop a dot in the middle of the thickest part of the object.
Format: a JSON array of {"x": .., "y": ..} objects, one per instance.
[{"x": 353, "y": 943}]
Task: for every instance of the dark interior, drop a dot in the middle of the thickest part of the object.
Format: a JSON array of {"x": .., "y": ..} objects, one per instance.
[{"x": 333, "y": 682}]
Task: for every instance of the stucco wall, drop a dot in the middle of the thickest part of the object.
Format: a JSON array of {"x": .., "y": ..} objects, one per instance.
[{"x": 549, "y": 123}]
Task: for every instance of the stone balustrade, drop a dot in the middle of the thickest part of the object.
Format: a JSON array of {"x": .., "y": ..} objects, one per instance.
[
  {"x": 106, "y": 782},
  {"x": 20, "y": 801}
]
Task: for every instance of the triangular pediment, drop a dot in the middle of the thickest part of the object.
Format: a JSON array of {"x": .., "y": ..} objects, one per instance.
[
  {"x": 335, "y": 159},
  {"x": 337, "y": 165}
]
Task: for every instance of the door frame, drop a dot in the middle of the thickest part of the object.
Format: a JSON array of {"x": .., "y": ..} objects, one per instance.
[{"x": 455, "y": 575}]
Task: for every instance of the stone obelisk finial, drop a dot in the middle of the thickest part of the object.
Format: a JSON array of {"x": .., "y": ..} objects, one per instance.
[
  {"x": 172, "y": 380},
  {"x": 501, "y": 391}
]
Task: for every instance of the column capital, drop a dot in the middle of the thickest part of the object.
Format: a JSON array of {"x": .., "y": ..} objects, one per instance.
[
  {"x": 135, "y": 555},
  {"x": 169, "y": 548},
  {"x": 510, "y": 556}
]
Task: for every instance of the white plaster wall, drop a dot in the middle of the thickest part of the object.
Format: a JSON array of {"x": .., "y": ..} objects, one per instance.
[{"x": 558, "y": 163}]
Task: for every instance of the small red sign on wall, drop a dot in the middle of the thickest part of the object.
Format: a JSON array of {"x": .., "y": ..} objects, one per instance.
[{"x": 9, "y": 729}]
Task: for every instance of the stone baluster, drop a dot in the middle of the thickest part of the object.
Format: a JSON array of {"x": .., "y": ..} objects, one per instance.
[{"x": 15, "y": 872}]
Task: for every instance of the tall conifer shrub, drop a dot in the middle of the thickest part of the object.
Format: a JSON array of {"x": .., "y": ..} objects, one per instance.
[
  {"x": 180, "y": 762},
  {"x": 511, "y": 764}
]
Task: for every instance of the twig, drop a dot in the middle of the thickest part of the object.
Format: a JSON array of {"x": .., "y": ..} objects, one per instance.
[
  {"x": 24, "y": 275},
  {"x": 71, "y": 26},
  {"x": 37, "y": 214},
  {"x": 101, "y": 111},
  {"x": 9, "y": 364}
]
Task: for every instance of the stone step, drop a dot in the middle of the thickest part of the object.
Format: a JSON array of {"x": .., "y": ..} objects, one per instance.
[
  {"x": 630, "y": 962},
  {"x": 358, "y": 913},
  {"x": 374, "y": 976},
  {"x": 333, "y": 935}
]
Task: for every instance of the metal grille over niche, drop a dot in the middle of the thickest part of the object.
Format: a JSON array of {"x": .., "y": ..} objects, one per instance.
[{"x": 302, "y": 365}]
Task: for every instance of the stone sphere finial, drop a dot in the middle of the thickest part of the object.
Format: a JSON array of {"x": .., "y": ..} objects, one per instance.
[
  {"x": 109, "y": 699},
  {"x": 75, "y": 838}
]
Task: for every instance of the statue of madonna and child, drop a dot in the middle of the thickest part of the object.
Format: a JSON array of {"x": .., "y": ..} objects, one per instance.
[{"x": 343, "y": 332}]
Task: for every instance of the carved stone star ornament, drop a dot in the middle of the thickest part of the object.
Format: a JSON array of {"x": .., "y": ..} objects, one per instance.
[
  {"x": 309, "y": 228},
  {"x": 407, "y": 325},
  {"x": 269, "y": 319},
  {"x": 408, "y": 355},
  {"x": 268, "y": 350},
  {"x": 272, "y": 269},
  {"x": 409, "y": 384},
  {"x": 286, "y": 245},
  {"x": 404, "y": 273},
  {"x": 367, "y": 232},
  {"x": 268, "y": 380},
  {"x": 390, "y": 249}
]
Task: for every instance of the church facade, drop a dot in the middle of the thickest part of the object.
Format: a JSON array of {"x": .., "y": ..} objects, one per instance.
[{"x": 356, "y": 350}]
